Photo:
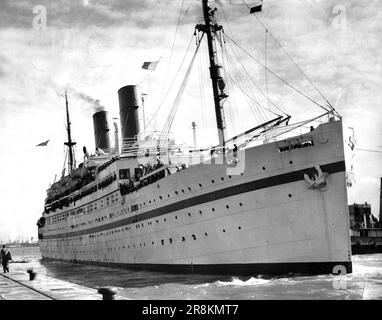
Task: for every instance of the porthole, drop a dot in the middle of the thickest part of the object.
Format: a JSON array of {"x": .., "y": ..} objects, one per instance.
[
  {"x": 189, "y": 214},
  {"x": 229, "y": 177},
  {"x": 213, "y": 209},
  {"x": 239, "y": 228},
  {"x": 194, "y": 237},
  {"x": 162, "y": 242},
  {"x": 213, "y": 181},
  {"x": 152, "y": 242},
  {"x": 170, "y": 240},
  {"x": 176, "y": 192},
  {"x": 290, "y": 195},
  {"x": 164, "y": 219},
  {"x": 223, "y": 230},
  {"x": 240, "y": 204},
  {"x": 189, "y": 189},
  {"x": 200, "y": 185},
  {"x": 291, "y": 162},
  {"x": 182, "y": 190},
  {"x": 227, "y": 206},
  {"x": 160, "y": 197},
  {"x": 168, "y": 196},
  {"x": 176, "y": 217},
  {"x": 200, "y": 211},
  {"x": 263, "y": 168},
  {"x": 206, "y": 234},
  {"x": 222, "y": 179},
  {"x": 183, "y": 239}
]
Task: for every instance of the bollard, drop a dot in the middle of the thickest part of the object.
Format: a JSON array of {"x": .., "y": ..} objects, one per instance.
[
  {"x": 32, "y": 274},
  {"x": 108, "y": 293}
]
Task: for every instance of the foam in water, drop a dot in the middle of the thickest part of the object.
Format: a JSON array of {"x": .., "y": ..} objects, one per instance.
[{"x": 237, "y": 282}]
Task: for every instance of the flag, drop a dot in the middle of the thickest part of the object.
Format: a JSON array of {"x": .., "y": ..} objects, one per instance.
[
  {"x": 43, "y": 144},
  {"x": 150, "y": 65},
  {"x": 256, "y": 8}
]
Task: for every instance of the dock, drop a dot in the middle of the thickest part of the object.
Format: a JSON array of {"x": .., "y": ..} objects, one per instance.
[{"x": 17, "y": 286}]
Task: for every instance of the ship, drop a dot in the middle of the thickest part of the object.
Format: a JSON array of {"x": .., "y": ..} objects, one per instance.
[
  {"x": 365, "y": 229},
  {"x": 266, "y": 201}
]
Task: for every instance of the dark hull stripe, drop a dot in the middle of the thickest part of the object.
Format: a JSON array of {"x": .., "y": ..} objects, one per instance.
[
  {"x": 207, "y": 197},
  {"x": 237, "y": 269}
]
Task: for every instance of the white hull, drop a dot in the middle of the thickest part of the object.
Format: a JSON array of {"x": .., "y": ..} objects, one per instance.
[{"x": 268, "y": 215}]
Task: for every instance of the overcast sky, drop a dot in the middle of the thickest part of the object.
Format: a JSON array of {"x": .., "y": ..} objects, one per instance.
[{"x": 95, "y": 47}]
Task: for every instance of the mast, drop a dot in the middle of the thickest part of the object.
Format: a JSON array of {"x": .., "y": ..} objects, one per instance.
[
  {"x": 211, "y": 28},
  {"x": 69, "y": 143}
]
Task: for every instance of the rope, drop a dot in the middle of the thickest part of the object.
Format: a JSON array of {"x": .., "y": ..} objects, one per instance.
[
  {"x": 180, "y": 66},
  {"x": 294, "y": 62},
  {"x": 277, "y": 76},
  {"x": 257, "y": 87},
  {"x": 172, "y": 47},
  {"x": 369, "y": 150},
  {"x": 266, "y": 96}
]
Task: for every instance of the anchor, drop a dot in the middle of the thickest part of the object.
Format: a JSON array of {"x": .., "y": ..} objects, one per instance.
[{"x": 319, "y": 181}]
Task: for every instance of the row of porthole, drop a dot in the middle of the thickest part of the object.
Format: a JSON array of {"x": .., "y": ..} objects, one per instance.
[
  {"x": 164, "y": 220},
  {"x": 189, "y": 214},
  {"x": 177, "y": 193},
  {"x": 176, "y": 217},
  {"x": 89, "y": 209},
  {"x": 170, "y": 241}
]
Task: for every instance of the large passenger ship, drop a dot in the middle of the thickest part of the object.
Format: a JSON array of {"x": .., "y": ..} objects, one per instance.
[{"x": 267, "y": 201}]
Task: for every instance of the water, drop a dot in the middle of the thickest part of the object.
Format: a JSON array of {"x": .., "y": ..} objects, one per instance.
[{"x": 364, "y": 283}]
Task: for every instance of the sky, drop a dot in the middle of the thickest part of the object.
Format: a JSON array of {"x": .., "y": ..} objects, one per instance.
[{"x": 92, "y": 48}]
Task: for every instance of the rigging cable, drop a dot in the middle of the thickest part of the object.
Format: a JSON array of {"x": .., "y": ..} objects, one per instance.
[
  {"x": 249, "y": 88},
  {"x": 172, "y": 47},
  {"x": 176, "y": 103},
  {"x": 172, "y": 83},
  {"x": 277, "y": 76},
  {"x": 266, "y": 96},
  {"x": 294, "y": 62}
]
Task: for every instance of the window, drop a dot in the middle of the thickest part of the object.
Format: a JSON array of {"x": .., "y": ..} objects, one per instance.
[
  {"x": 296, "y": 144},
  {"x": 138, "y": 173},
  {"x": 124, "y": 174}
]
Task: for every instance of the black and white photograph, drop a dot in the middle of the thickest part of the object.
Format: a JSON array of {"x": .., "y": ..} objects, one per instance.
[{"x": 208, "y": 151}]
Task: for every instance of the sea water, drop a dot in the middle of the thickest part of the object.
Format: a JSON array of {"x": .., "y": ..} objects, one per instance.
[{"x": 364, "y": 283}]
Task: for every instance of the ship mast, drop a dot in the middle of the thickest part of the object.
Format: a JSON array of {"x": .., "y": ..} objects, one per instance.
[
  {"x": 69, "y": 143},
  {"x": 211, "y": 28}
]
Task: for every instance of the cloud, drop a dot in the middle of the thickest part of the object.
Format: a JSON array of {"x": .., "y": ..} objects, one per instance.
[{"x": 96, "y": 47}]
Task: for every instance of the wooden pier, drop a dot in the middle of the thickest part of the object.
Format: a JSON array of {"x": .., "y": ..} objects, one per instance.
[{"x": 17, "y": 286}]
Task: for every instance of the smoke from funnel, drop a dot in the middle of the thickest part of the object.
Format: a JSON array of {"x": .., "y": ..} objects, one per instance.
[{"x": 95, "y": 102}]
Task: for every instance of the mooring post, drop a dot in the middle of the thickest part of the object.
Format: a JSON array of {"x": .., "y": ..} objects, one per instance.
[
  {"x": 108, "y": 293},
  {"x": 32, "y": 274}
]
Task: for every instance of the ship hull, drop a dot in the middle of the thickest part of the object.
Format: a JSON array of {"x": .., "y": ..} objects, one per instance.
[
  {"x": 242, "y": 269},
  {"x": 267, "y": 219}
]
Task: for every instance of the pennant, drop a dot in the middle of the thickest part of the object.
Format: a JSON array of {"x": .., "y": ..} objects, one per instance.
[
  {"x": 150, "y": 65},
  {"x": 43, "y": 144},
  {"x": 256, "y": 8}
]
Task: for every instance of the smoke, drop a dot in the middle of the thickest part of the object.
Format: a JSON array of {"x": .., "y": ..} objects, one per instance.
[{"x": 94, "y": 102}]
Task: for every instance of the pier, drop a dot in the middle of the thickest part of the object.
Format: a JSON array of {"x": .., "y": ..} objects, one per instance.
[{"x": 17, "y": 286}]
